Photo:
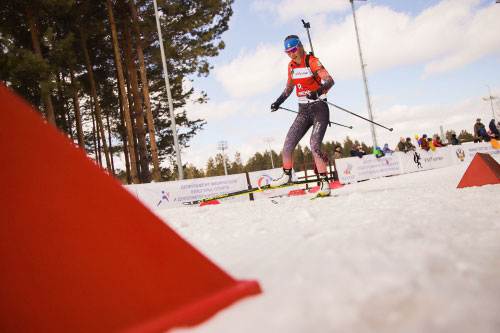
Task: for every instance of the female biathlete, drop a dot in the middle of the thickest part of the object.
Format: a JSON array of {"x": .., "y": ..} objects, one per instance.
[{"x": 311, "y": 82}]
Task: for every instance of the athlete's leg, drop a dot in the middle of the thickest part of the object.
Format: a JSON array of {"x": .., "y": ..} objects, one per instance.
[
  {"x": 321, "y": 116},
  {"x": 299, "y": 128}
]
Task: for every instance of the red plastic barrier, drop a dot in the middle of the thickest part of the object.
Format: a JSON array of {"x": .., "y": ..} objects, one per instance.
[
  {"x": 212, "y": 202},
  {"x": 294, "y": 193},
  {"x": 482, "y": 170},
  {"x": 78, "y": 253}
]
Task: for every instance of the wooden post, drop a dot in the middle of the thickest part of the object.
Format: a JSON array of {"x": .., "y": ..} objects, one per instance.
[{"x": 249, "y": 184}]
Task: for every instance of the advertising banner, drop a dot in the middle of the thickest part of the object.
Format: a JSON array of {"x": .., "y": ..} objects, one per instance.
[
  {"x": 353, "y": 169},
  {"x": 171, "y": 194},
  {"x": 483, "y": 147},
  {"x": 425, "y": 160}
]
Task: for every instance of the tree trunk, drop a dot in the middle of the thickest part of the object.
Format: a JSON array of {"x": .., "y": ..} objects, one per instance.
[
  {"x": 98, "y": 140},
  {"x": 67, "y": 113},
  {"x": 96, "y": 153},
  {"x": 121, "y": 82},
  {"x": 132, "y": 119},
  {"x": 110, "y": 144},
  {"x": 63, "y": 110},
  {"x": 145, "y": 175},
  {"x": 124, "y": 144},
  {"x": 123, "y": 132},
  {"x": 96, "y": 101},
  {"x": 44, "y": 89},
  {"x": 145, "y": 92},
  {"x": 78, "y": 117}
]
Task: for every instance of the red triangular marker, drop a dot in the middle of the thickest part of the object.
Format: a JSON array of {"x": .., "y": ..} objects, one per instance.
[
  {"x": 482, "y": 170},
  {"x": 78, "y": 253}
]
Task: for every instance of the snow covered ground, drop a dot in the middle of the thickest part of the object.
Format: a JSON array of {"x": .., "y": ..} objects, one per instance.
[{"x": 409, "y": 253}]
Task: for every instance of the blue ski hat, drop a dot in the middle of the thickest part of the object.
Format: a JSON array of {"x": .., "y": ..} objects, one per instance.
[{"x": 291, "y": 43}]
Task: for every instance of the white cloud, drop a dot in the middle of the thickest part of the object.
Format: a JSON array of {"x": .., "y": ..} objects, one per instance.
[
  {"x": 291, "y": 9},
  {"x": 253, "y": 73},
  {"x": 212, "y": 111},
  {"x": 472, "y": 37}
]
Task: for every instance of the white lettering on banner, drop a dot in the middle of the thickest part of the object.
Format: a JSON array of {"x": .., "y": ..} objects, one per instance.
[{"x": 485, "y": 148}]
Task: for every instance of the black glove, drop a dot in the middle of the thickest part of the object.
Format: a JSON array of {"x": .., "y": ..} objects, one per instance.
[
  {"x": 275, "y": 106},
  {"x": 313, "y": 95}
]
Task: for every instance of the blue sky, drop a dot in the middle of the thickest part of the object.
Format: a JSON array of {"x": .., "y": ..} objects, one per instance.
[{"x": 427, "y": 64}]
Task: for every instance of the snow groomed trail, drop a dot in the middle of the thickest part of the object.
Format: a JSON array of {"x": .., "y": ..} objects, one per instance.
[{"x": 409, "y": 253}]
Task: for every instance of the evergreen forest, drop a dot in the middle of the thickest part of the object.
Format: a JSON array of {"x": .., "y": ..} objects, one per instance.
[{"x": 94, "y": 70}]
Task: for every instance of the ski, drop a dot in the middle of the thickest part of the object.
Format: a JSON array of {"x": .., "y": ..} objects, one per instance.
[
  {"x": 248, "y": 191},
  {"x": 323, "y": 196}
]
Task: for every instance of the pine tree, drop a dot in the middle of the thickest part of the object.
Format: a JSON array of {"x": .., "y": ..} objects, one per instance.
[
  {"x": 237, "y": 165},
  {"x": 211, "y": 170},
  {"x": 465, "y": 136},
  {"x": 308, "y": 157}
]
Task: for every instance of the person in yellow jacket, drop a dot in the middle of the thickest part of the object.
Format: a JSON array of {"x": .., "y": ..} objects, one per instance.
[{"x": 431, "y": 144}]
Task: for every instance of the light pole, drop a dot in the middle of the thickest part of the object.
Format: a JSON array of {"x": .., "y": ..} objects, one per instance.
[
  {"x": 222, "y": 145},
  {"x": 268, "y": 140},
  {"x": 367, "y": 93},
  {"x": 169, "y": 95},
  {"x": 490, "y": 98}
]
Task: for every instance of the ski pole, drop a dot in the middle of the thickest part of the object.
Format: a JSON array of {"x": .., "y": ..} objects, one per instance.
[
  {"x": 331, "y": 122},
  {"x": 338, "y": 107},
  {"x": 307, "y": 25}
]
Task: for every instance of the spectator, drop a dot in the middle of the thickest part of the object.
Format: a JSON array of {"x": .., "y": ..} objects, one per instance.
[
  {"x": 386, "y": 149},
  {"x": 409, "y": 145},
  {"x": 337, "y": 152},
  {"x": 378, "y": 152},
  {"x": 431, "y": 144},
  {"x": 477, "y": 138},
  {"x": 357, "y": 150},
  {"x": 437, "y": 141},
  {"x": 480, "y": 132},
  {"x": 494, "y": 130},
  {"x": 454, "y": 140},
  {"x": 419, "y": 141},
  {"x": 401, "y": 145},
  {"x": 424, "y": 144}
]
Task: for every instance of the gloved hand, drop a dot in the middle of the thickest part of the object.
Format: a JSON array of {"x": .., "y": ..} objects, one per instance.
[
  {"x": 313, "y": 95},
  {"x": 275, "y": 106}
]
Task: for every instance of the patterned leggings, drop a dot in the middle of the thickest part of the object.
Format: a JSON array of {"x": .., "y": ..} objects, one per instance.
[{"x": 314, "y": 114}]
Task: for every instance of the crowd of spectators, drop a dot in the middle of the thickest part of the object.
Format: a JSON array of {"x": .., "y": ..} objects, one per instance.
[
  {"x": 426, "y": 143},
  {"x": 481, "y": 134}
]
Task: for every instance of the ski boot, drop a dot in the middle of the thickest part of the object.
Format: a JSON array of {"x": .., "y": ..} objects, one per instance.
[
  {"x": 286, "y": 178},
  {"x": 324, "y": 190}
]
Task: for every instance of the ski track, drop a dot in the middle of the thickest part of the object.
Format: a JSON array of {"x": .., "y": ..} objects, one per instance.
[{"x": 408, "y": 253}]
